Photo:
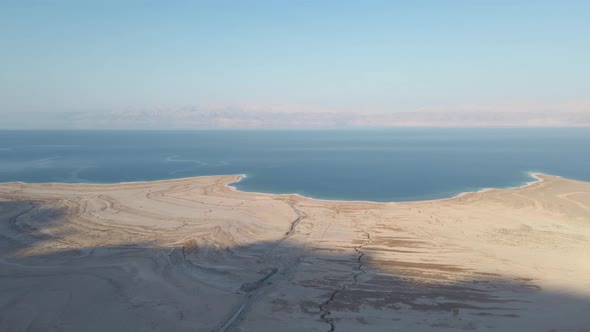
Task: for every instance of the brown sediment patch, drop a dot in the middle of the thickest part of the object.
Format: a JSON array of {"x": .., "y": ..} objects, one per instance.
[
  {"x": 422, "y": 299},
  {"x": 407, "y": 265},
  {"x": 488, "y": 274},
  {"x": 384, "y": 249},
  {"x": 387, "y": 228},
  {"x": 397, "y": 242}
]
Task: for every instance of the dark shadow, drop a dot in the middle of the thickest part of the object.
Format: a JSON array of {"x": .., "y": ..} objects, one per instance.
[
  {"x": 201, "y": 286},
  {"x": 24, "y": 223}
]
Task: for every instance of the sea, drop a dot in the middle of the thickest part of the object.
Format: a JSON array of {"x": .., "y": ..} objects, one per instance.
[{"x": 394, "y": 164}]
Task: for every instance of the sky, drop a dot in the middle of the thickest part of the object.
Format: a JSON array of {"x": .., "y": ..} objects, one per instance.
[{"x": 338, "y": 56}]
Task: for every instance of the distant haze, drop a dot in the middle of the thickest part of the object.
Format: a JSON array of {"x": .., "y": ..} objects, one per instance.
[
  {"x": 294, "y": 64},
  {"x": 233, "y": 118}
]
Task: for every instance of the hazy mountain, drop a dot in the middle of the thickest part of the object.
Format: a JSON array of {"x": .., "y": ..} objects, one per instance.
[{"x": 237, "y": 118}]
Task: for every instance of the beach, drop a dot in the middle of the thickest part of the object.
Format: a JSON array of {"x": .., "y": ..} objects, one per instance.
[{"x": 195, "y": 254}]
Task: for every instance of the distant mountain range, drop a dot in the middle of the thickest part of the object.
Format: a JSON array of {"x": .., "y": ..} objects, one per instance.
[{"x": 236, "y": 118}]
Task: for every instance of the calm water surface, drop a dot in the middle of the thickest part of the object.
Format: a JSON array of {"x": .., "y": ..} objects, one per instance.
[{"x": 372, "y": 164}]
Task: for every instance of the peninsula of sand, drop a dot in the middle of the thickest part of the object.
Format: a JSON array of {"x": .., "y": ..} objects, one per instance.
[{"x": 196, "y": 255}]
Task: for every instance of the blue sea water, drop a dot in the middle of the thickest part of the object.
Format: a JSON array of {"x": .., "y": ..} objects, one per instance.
[{"x": 397, "y": 164}]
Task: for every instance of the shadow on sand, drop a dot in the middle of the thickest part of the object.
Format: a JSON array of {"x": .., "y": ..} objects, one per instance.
[{"x": 50, "y": 284}]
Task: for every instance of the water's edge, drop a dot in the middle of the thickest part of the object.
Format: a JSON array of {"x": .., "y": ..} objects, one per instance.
[
  {"x": 231, "y": 185},
  {"x": 534, "y": 175}
]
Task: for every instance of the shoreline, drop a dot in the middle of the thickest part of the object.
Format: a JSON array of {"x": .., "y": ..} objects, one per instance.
[
  {"x": 534, "y": 175},
  {"x": 157, "y": 244}
]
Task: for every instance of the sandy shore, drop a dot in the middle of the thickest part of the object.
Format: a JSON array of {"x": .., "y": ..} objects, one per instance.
[{"x": 195, "y": 255}]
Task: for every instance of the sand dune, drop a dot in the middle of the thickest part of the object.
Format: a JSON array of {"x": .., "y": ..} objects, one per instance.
[{"x": 196, "y": 255}]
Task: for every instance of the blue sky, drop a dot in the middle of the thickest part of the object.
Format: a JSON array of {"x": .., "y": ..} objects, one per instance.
[{"x": 346, "y": 56}]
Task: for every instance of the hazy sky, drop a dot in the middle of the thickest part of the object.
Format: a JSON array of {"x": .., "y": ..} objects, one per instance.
[{"x": 314, "y": 55}]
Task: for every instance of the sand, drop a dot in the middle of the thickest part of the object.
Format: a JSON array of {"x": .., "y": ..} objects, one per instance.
[{"x": 195, "y": 255}]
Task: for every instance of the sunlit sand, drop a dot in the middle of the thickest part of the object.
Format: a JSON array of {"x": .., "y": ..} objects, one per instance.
[{"x": 196, "y": 255}]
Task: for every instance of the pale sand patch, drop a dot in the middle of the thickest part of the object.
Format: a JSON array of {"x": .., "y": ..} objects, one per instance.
[{"x": 188, "y": 254}]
